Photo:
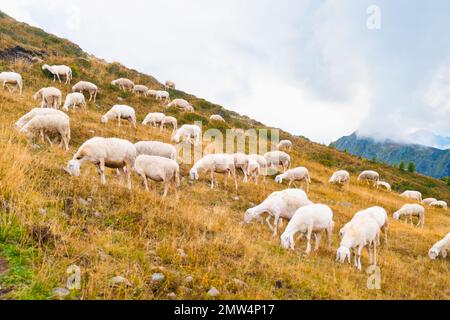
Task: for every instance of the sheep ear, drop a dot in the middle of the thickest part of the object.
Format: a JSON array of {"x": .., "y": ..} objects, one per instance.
[{"x": 65, "y": 170}]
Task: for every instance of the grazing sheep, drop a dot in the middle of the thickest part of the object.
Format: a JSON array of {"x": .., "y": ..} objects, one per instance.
[
  {"x": 105, "y": 152},
  {"x": 59, "y": 70},
  {"x": 383, "y": 184},
  {"x": 182, "y": 104},
  {"x": 284, "y": 144},
  {"x": 275, "y": 158},
  {"x": 37, "y": 111},
  {"x": 409, "y": 210},
  {"x": 217, "y": 117},
  {"x": 411, "y": 194},
  {"x": 150, "y": 92},
  {"x": 123, "y": 83},
  {"x": 48, "y": 123},
  {"x": 169, "y": 85},
  {"x": 74, "y": 99},
  {"x": 50, "y": 96},
  {"x": 253, "y": 169},
  {"x": 296, "y": 174},
  {"x": 215, "y": 163},
  {"x": 241, "y": 162},
  {"x": 440, "y": 248},
  {"x": 428, "y": 200},
  {"x": 169, "y": 120},
  {"x": 140, "y": 88},
  {"x": 154, "y": 118},
  {"x": 439, "y": 204},
  {"x": 262, "y": 163},
  {"x": 361, "y": 233},
  {"x": 189, "y": 132},
  {"x": 340, "y": 177},
  {"x": 87, "y": 86},
  {"x": 156, "y": 148},
  {"x": 313, "y": 218},
  {"x": 162, "y": 95},
  {"x": 369, "y": 175},
  {"x": 158, "y": 169},
  {"x": 11, "y": 78},
  {"x": 120, "y": 111},
  {"x": 279, "y": 204}
]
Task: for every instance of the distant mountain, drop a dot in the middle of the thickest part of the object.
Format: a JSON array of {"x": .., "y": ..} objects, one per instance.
[
  {"x": 428, "y": 160},
  {"x": 429, "y": 138}
]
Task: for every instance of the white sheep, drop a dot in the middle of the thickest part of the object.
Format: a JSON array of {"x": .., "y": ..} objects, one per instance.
[
  {"x": 150, "y": 92},
  {"x": 363, "y": 232},
  {"x": 383, "y": 184},
  {"x": 253, "y": 169},
  {"x": 313, "y": 218},
  {"x": 262, "y": 163},
  {"x": 59, "y": 70},
  {"x": 409, "y": 210},
  {"x": 158, "y": 169},
  {"x": 154, "y": 118},
  {"x": 123, "y": 83},
  {"x": 11, "y": 78},
  {"x": 295, "y": 174},
  {"x": 87, "y": 86},
  {"x": 279, "y": 204},
  {"x": 44, "y": 124},
  {"x": 162, "y": 95},
  {"x": 284, "y": 144},
  {"x": 215, "y": 163},
  {"x": 428, "y": 200},
  {"x": 411, "y": 194},
  {"x": 340, "y": 177},
  {"x": 140, "y": 88},
  {"x": 50, "y": 97},
  {"x": 217, "y": 117},
  {"x": 241, "y": 162},
  {"x": 276, "y": 158},
  {"x": 182, "y": 104},
  {"x": 156, "y": 148},
  {"x": 439, "y": 204},
  {"x": 169, "y": 120},
  {"x": 188, "y": 132},
  {"x": 74, "y": 99},
  {"x": 369, "y": 175},
  {"x": 120, "y": 111},
  {"x": 105, "y": 152},
  {"x": 440, "y": 248},
  {"x": 169, "y": 85},
  {"x": 37, "y": 111}
]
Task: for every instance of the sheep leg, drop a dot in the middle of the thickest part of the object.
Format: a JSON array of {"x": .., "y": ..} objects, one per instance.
[
  {"x": 289, "y": 184},
  {"x": 308, "y": 239},
  {"x": 359, "y": 257},
  {"x": 128, "y": 169},
  {"x": 268, "y": 223},
  {"x": 166, "y": 188},
  {"x": 275, "y": 225},
  {"x": 101, "y": 171},
  {"x": 375, "y": 254},
  {"x": 307, "y": 185},
  {"x": 212, "y": 179},
  {"x": 318, "y": 237},
  {"x": 59, "y": 79},
  {"x": 144, "y": 179},
  {"x": 233, "y": 172},
  {"x": 369, "y": 250}
]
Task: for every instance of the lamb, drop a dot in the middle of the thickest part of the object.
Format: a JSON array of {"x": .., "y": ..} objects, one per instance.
[
  {"x": 279, "y": 204},
  {"x": 86, "y": 86},
  {"x": 139, "y": 88},
  {"x": 120, "y": 111},
  {"x": 169, "y": 85},
  {"x": 296, "y": 174},
  {"x": 313, "y": 218},
  {"x": 158, "y": 169},
  {"x": 410, "y": 210},
  {"x": 37, "y": 111},
  {"x": 104, "y": 152},
  {"x": 262, "y": 163},
  {"x": 383, "y": 184},
  {"x": 215, "y": 163},
  {"x": 182, "y": 104},
  {"x": 411, "y": 194},
  {"x": 369, "y": 175},
  {"x": 123, "y": 83},
  {"x": 162, "y": 95},
  {"x": 74, "y": 99},
  {"x": 340, "y": 177},
  {"x": 428, "y": 200},
  {"x": 154, "y": 118},
  {"x": 284, "y": 144},
  {"x": 363, "y": 232},
  {"x": 241, "y": 162},
  {"x": 253, "y": 169},
  {"x": 59, "y": 70},
  {"x": 440, "y": 248},
  {"x": 11, "y": 78},
  {"x": 156, "y": 148},
  {"x": 439, "y": 204},
  {"x": 50, "y": 97},
  {"x": 169, "y": 120},
  {"x": 48, "y": 123},
  {"x": 217, "y": 117},
  {"x": 189, "y": 132},
  {"x": 275, "y": 158}
]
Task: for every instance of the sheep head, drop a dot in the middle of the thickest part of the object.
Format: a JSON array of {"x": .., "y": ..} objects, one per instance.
[
  {"x": 433, "y": 253},
  {"x": 342, "y": 253},
  {"x": 73, "y": 168}
]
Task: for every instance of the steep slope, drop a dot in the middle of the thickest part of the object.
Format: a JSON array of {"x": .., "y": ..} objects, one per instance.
[{"x": 50, "y": 221}]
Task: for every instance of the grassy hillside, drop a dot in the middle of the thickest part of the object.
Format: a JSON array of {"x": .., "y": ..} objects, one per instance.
[{"x": 50, "y": 221}]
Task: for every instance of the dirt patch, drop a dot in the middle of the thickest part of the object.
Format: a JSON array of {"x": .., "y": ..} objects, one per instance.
[{"x": 19, "y": 52}]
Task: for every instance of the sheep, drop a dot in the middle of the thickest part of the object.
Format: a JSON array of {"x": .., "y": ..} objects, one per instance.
[
  {"x": 11, "y": 78},
  {"x": 241, "y": 162},
  {"x": 162, "y": 95},
  {"x": 411, "y": 194},
  {"x": 296, "y": 174},
  {"x": 217, "y": 117},
  {"x": 169, "y": 85},
  {"x": 410, "y": 210},
  {"x": 215, "y": 163},
  {"x": 86, "y": 86},
  {"x": 285, "y": 144},
  {"x": 120, "y": 111},
  {"x": 169, "y": 120},
  {"x": 182, "y": 104},
  {"x": 48, "y": 123},
  {"x": 262, "y": 163},
  {"x": 158, "y": 169},
  {"x": 105, "y": 152},
  {"x": 123, "y": 83},
  {"x": 440, "y": 248},
  {"x": 439, "y": 204},
  {"x": 37, "y": 111},
  {"x": 379, "y": 214},
  {"x": 49, "y": 96},
  {"x": 139, "y": 88},
  {"x": 189, "y": 132},
  {"x": 253, "y": 169},
  {"x": 59, "y": 70},
  {"x": 275, "y": 158},
  {"x": 154, "y": 118},
  {"x": 369, "y": 175},
  {"x": 363, "y": 232},
  {"x": 428, "y": 200},
  {"x": 383, "y": 184},
  {"x": 313, "y": 218},
  {"x": 73, "y": 99},
  {"x": 156, "y": 148},
  {"x": 150, "y": 92},
  {"x": 340, "y": 177},
  {"x": 279, "y": 204}
]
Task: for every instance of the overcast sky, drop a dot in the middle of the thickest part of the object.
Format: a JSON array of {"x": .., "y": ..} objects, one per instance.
[{"x": 311, "y": 67}]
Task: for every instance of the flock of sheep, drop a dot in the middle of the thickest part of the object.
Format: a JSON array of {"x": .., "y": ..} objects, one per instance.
[{"x": 158, "y": 161}]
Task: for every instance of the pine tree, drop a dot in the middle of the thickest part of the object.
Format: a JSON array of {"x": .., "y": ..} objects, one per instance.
[
  {"x": 402, "y": 166},
  {"x": 411, "y": 167}
]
